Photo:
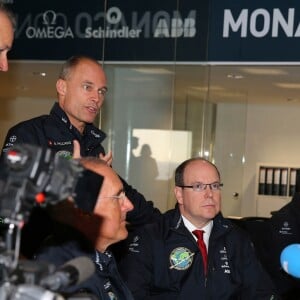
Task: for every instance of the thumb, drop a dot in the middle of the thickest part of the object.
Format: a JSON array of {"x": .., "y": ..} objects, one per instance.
[{"x": 76, "y": 149}]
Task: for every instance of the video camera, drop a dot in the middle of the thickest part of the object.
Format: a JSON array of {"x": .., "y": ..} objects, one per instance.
[
  {"x": 33, "y": 176},
  {"x": 30, "y": 176}
]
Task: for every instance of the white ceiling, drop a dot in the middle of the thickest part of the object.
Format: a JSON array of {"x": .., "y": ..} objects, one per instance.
[{"x": 227, "y": 83}]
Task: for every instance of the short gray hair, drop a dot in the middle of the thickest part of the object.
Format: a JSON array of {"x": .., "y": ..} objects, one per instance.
[{"x": 73, "y": 62}]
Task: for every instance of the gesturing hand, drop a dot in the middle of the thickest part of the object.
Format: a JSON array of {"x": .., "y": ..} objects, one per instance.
[
  {"x": 108, "y": 158},
  {"x": 76, "y": 150}
]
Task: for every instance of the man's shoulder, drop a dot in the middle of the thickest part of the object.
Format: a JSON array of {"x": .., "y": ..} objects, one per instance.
[
  {"x": 284, "y": 213},
  {"x": 231, "y": 231},
  {"x": 163, "y": 224},
  {"x": 36, "y": 121},
  {"x": 27, "y": 131},
  {"x": 58, "y": 251}
]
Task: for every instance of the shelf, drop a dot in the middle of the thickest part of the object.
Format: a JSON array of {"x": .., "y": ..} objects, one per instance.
[{"x": 276, "y": 185}]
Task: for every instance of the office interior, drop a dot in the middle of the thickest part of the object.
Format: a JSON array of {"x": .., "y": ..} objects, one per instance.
[{"x": 156, "y": 115}]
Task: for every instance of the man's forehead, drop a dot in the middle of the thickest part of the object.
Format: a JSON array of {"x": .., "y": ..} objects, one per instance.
[
  {"x": 199, "y": 167},
  {"x": 92, "y": 74},
  {"x": 88, "y": 65},
  {"x": 5, "y": 20},
  {"x": 6, "y": 30}
]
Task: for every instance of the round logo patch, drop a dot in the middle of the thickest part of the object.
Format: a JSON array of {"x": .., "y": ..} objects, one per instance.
[
  {"x": 65, "y": 154},
  {"x": 181, "y": 258}
]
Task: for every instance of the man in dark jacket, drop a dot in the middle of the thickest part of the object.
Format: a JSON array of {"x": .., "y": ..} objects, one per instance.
[
  {"x": 164, "y": 261},
  {"x": 90, "y": 234},
  {"x": 81, "y": 90},
  {"x": 284, "y": 230}
]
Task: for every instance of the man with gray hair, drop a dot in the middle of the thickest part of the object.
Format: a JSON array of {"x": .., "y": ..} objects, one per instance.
[{"x": 91, "y": 234}]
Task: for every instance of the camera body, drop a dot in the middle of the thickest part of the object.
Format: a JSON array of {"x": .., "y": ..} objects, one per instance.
[{"x": 32, "y": 175}]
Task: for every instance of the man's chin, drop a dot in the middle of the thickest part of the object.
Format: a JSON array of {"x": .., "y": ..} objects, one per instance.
[
  {"x": 123, "y": 234},
  {"x": 90, "y": 120},
  {"x": 210, "y": 215}
]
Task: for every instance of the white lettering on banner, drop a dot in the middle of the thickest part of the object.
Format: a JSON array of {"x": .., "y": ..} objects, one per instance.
[
  {"x": 125, "y": 32},
  {"x": 178, "y": 28},
  {"x": 270, "y": 23},
  {"x": 174, "y": 27},
  {"x": 112, "y": 24},
  {"x": 49, "y": 28},
  {"x": 49, "y": 32}
]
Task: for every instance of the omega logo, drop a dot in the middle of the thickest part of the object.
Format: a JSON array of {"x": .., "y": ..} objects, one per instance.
[{"x": 49, "y": 17}]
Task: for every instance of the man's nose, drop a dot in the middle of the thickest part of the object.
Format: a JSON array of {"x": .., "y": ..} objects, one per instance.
[
  {"x": 97, "y": 98},
  {"x": 208, "y": 191},
  {"x": 128, "y": 206},
  {"x": 3, "y": 64}
]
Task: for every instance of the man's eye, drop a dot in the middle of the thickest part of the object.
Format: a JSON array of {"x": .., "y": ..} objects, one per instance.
[
  {"x": 215, "y": 186},
  {"x": 198, "y": 186},
  {"x": 87, "y": 87},
  {"x": 102, "y": 92}
]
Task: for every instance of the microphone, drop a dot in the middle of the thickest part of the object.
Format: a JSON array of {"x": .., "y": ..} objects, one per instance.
[
  {"x": 290, "y": 260},
  {"x": 73, "y": 272}
]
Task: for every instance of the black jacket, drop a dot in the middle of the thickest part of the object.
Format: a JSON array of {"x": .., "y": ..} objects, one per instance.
[
  {"x": 284, "y": 230},
  {"x": 106, "y": 283},
  {"x": 56, "y": 132},
  {"x": 164, "y": 263}
]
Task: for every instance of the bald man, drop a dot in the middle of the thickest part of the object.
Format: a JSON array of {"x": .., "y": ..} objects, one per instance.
[
  {"x": 193, "y": 252},
  {"x": 7, "y": 24},
  {"x": 81, "y": 89}
]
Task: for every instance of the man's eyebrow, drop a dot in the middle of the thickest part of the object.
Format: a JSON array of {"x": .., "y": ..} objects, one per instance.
[
  {"x": 103, "y": 88},
  {"x": 121, "y": 191},
  {"x": 92, "y": 83},
  {"x": 88, "y": 82}
]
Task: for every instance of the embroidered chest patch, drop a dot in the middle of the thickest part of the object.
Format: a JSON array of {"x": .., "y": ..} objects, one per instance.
[
  {"x": 181, "y": 258},
  {"x": 65, "y": 154}
]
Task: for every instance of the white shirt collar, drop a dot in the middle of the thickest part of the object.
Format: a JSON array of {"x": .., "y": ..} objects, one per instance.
[{"x": 191, "y": 227}]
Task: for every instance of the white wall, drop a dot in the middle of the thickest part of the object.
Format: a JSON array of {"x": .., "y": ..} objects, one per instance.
[
  {"x": 272, "y": 136},
  {"x": 228, "y": 154}
]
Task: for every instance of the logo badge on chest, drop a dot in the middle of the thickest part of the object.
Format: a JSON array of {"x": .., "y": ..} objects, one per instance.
[{"x": 181, "y": 258}]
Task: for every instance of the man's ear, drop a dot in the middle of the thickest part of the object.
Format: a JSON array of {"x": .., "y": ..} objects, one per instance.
[
  {"x": 61, "y": 87},
  {"x": 178, "y": 194}
]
